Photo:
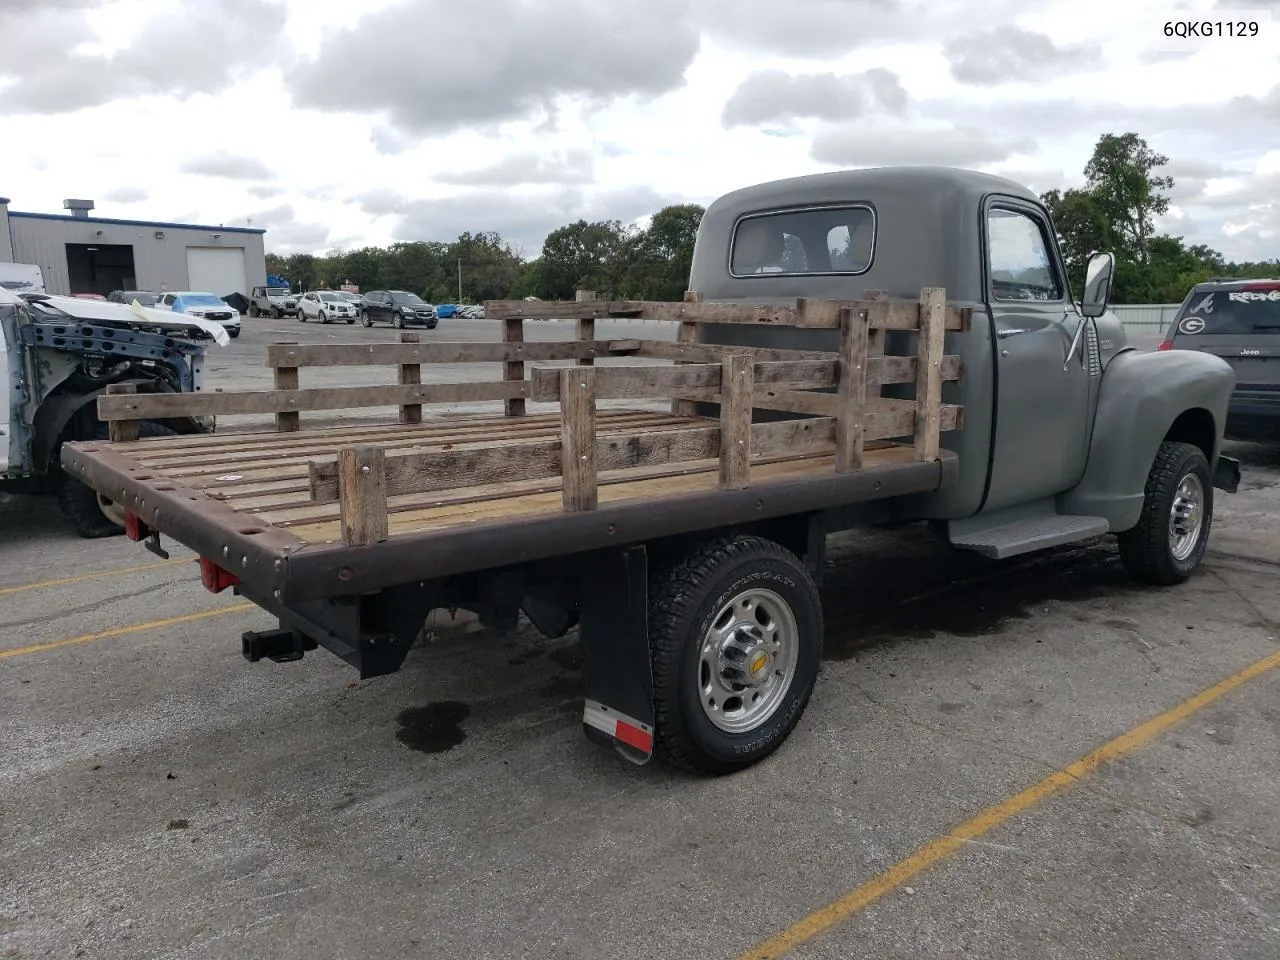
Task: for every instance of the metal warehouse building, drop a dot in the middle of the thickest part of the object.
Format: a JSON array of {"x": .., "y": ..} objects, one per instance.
[{"x": 78, "y": 253}]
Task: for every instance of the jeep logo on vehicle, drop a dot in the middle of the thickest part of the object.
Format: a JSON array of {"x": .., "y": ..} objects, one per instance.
[
  {"x": 1247, "y": 352},
  {"x": 1191, "y": 325}
]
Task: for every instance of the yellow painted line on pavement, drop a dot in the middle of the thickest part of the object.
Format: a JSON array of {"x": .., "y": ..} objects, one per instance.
[
  {"x": 823, "y": 919},
  {"x": 124, "y": 631},
  {"x": 81, "y": 578}
]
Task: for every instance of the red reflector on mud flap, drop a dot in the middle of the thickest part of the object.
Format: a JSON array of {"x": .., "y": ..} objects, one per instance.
[{"x": 214, "y": 578}]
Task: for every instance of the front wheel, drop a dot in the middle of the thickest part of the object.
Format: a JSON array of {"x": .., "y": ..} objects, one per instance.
[
  {"x": 736, "y": 634},
  {"x": 1172, "y": 533},
  {"x": 323, "y": 317},
  {"x": 364, "y": 319}
]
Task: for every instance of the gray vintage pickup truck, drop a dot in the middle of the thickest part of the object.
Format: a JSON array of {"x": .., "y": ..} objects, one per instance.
[{"x": 855, "y": 348}]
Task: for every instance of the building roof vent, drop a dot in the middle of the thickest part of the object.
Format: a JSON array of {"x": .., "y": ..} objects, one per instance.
[{"x": 78, "y": 208}]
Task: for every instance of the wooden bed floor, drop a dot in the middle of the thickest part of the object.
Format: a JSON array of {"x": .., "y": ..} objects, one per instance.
[{"x": 266, "y": 474}]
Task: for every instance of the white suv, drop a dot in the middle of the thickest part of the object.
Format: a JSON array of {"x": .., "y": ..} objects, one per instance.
[{"x": 325, "y": 305}]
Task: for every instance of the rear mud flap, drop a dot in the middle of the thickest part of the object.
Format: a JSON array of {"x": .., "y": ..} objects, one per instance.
[
  {"x": 617, "y": 669},
  {"x": 1226, "y": 474}
]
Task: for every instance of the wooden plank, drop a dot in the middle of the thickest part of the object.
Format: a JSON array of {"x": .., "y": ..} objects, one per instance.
[
  {"x": 627, "y": 381},
  {"x": 883, "y": 420},
  {"x": 122, "y": 431},
  {"x": 735, "y": 421},
  {"x": 876, "y": 377},
  {"x": 687, "y": 336},
  {"x": 410, "y": 375},
  {"x": 887, "y": 314},
  {"x": 422, "y": 436},
  {"x": 286, "y": 378},
  {"x": 513, "y": 370},
  {"x": 485, "y": 464},
  {"x": 586, "y": 327},
  {"x": 149, "y": 406},
  {"x": 930, "y": 344},
  {"x": 691, "y": 352},
  {"x": 851, "y": 403},
  {"x": 394, "y": 354},
  {"x": 578, "y": 438},
  {"x": 362, "y": 495}
]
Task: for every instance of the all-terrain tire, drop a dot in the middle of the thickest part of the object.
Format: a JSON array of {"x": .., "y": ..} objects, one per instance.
[
  {"x": 685, "y": 597},
  {"x": 79, "y": 503},
  {"x": 1145, "y": 550}
]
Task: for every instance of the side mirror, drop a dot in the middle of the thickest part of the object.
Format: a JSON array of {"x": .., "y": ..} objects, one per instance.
[{"x": 1097, "y": 285}]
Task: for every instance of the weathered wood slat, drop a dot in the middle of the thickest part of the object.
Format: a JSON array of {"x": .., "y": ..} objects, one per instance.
[
  {"x": 735, "y": 421},
  {"x": 149, "y": 406},
  {"x": 363, "y": 499},
  {"x": 618, "y": 382},
  {"x": 513, "y": 370},
  {"x": 851, "y": 395},
  {"x": 578, "y": 438},
  {"x": 887, "y": 314},
  {"x": 691, "y": 352},
  {"x": 929, "y": 348},
  {"x": 410, "y": 374},
  {"x": 122, "y": 431},
  {"x": 286, "y": 378},
  {"x": 394, "y": 354}
]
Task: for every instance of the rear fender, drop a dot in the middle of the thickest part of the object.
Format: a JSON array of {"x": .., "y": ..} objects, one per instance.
[{"x": 1145, "y": 399}]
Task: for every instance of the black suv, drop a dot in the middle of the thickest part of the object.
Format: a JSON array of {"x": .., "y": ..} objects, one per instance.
[
  {"x": 397, "y": 307},
  {"x": 1238, "y": 320}
]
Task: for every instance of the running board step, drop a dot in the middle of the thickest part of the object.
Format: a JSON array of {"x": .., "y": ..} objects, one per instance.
[{"x": 1029, "y": 534}]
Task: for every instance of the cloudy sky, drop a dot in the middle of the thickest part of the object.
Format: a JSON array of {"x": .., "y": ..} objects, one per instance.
[{"x": 419, "y": 119}]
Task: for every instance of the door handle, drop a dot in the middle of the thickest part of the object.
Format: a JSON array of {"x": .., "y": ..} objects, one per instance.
[{"x": 1012, "y": 332}]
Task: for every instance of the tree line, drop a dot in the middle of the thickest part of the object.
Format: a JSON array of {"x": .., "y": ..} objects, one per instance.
[{"x": 1115, "y": 210}]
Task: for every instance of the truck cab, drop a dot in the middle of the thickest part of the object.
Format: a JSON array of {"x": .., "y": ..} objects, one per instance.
[{"x": 1068, "y": 432}]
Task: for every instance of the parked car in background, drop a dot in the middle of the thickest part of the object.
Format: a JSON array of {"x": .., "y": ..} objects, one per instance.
[
  {"x": 272, "y": 301},
  {"x": 325, "y": 305},
  {"x": 1239, "y": 321},
  {"x": 144, "y": 297},
  {"x": 352, "y": 298},
  {"x": 396, "y": 307},
  {"x": 446, "y": 310},
  {"x": 88, "y": 296},
  {"x": 473, "y": 311},
  {"x": 199, "y": 303}
]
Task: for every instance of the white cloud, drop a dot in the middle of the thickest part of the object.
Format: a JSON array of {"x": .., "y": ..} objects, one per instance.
[{"x": 520, "y": 115}]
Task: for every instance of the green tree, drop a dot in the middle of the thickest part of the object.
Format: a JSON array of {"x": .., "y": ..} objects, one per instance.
[{"x": 1121, "y": 182}]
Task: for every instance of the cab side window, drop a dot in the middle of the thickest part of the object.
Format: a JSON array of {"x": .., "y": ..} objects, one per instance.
[{"x": 1018, "y": 257}]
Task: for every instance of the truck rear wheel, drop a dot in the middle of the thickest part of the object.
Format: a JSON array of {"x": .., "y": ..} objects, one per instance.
[
  {"x": 735, "y": 630},
  {"x": 91, "y": 514},
  {"x": 1171, "y": 535}
]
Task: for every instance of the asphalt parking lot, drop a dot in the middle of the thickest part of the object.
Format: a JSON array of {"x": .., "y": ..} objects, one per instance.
[{"x": 160, "y": 797}]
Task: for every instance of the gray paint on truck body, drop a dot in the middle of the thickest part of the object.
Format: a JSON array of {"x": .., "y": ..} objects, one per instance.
[{"x": 1085, "y": 435}]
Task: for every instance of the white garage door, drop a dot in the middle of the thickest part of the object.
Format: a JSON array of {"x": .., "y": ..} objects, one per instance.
[{"x": 217, "y": 270}]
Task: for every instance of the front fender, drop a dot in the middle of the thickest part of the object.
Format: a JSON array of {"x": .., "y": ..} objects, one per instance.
[{"x": 1139, "y": 399}]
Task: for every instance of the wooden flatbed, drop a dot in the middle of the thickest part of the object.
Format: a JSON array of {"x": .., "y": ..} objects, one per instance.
[{"x": 295, "y": 513}]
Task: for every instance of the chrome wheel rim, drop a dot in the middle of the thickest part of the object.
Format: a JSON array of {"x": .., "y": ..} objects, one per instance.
[
  {"x": 111, "y": 510},
  {"x": 1186, "y": 517},
  {"x": 747, "y": 660}
]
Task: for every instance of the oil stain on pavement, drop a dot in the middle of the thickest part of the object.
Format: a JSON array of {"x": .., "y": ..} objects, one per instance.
[{"x": 435, "y": 728}]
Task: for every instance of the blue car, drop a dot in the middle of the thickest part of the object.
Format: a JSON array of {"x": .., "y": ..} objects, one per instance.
[{"x": 446, "y": 310}]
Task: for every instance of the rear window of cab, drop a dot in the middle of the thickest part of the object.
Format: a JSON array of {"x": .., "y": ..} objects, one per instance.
[{"x": 804, "y": 241}]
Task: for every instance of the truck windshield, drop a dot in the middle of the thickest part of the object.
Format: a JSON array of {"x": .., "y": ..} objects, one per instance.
[
  {"x": 1232, "y": 311},
  {"x": 277, "y": 291},
  {"x": 828, "y": 240}
]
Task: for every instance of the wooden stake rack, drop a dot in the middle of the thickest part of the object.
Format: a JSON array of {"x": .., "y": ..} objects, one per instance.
[{"x": 836, "y": 395}]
